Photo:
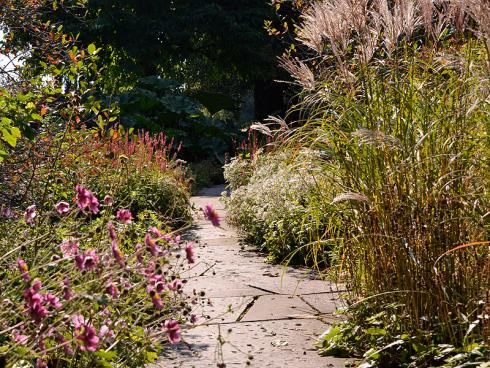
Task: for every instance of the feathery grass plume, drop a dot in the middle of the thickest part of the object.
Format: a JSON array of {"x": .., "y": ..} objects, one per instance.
[
  {"x": 279, "y": 121},
  {"x": 300, "y": 72},
  {"x": 402, "y": 19},
  {"x": 262, "y": 128},
  {"x": 369, "y": 40},
  {"x": 480, "y": 12},
  {"x": 427, "y": 14},
  {"x": 376, "y": 138},
  {"x": 456, "y": 13},
  {"x": 350, "y": 196},
  {"x": 326, "y": 21}
]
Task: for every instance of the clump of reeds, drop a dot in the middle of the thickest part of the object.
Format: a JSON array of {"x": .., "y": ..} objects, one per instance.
[{"x": 400, "y": 106}]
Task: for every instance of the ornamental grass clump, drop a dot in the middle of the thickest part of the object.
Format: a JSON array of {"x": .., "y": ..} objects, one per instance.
[
  {"x": 80, "y": 289},
  {"x": 398, "y": 102}
]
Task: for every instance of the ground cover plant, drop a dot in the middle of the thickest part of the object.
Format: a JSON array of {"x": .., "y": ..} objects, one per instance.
[{"x": 394, "y": 102}]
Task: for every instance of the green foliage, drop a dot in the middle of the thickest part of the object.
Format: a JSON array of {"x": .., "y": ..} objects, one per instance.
[
  {"x": 380, "y": 340},
  {"x": 53, "y": 83},
  {"x": 137, "y": 173},
  {"x": 157, "y": 104},
  {"x": 132, "y": 321},
  {"x": 400, "y": 124},
  {"x": 192, "y": 41}
]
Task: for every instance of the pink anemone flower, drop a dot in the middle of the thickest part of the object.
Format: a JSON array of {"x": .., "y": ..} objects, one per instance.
[
  {"x": 211, "y": 215},
  {"x": 124, "y": 216},
  {"x": 85, "y": 334},
  {"x": 172, "y": 329},
  {"x": 87, "y": 261},
  {"x": 85, "y": 198},
  {"x": 30, "y": 214},
  {"x": 62, "y": 207}
]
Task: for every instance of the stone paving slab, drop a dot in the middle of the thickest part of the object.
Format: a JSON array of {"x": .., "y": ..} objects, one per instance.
[
  {"x": 271, "y": 307},
  {"x": 266, "y": 315},
  {"x": 272, "y": 344},
  {"x": 221, "y": 286},
  {"x": 326, "y": 303},
  {"x": 221, "y": 310}
]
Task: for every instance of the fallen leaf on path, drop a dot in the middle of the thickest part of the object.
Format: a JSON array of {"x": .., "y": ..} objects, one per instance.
[
  {"x": 270, "y": 274},
  {"x": 279, "y": 343}
]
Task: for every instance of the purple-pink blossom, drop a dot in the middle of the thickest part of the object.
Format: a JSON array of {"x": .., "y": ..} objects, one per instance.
[
  {"x": 190, "y": 253},
  {"x": 111, "y": 230},
  {"x": 211, "y": 215},
  {"x": 86, "y": 199},
  {"x": 24, "y": 269},
  {"x": 118, "y": 254},
  {"x": 151, "y": 245},
  {"x": 124, "y": 216},
  {"x": 108, "y": 200},
  {"x": 30, "y": 214},
  {"x": 87, "y": 261},
  {"x": 172, "y": 329},
  {"x": 53, "y": 300},
  {"x": 112, "y": 289},
  {"x": 62, "y": 207},
  {"x": 69, "y": 247},
  {"x": 34, "y": 303},
  {"x": 175, "y": 285},
  {"x": 85, "y": 334},
  {"x": 154, "y": 230},
  {"x": 156, "y": 299},
  {"x": 6, "y": 212},
  {"x": 106, "y": 334},
  {"x": 19, "y": 338}
]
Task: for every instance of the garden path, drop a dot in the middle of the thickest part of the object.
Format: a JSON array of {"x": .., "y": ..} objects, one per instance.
[{"x": 264, "y": 315}]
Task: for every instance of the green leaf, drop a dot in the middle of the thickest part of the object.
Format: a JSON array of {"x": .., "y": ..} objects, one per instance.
[
  {"x": 151, "y": 356},
  {"x": 375, "y": 331},
  {"x": 91, "y": 49},
  {"x": 331, "y": 333},
  {"x": 10, "y": 135},
  {"x": 37, "y": 117},
  {"x": 106, "y": 355},
  {"x": 103, "y": 363}
]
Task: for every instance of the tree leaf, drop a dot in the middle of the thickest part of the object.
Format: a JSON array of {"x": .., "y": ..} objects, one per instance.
[{"x": 91, "y": 49}]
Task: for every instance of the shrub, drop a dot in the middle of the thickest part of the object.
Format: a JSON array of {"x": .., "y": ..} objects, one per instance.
[
  {"x": 140, "y": 171},
  {"x": 274, "y": 202}
]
